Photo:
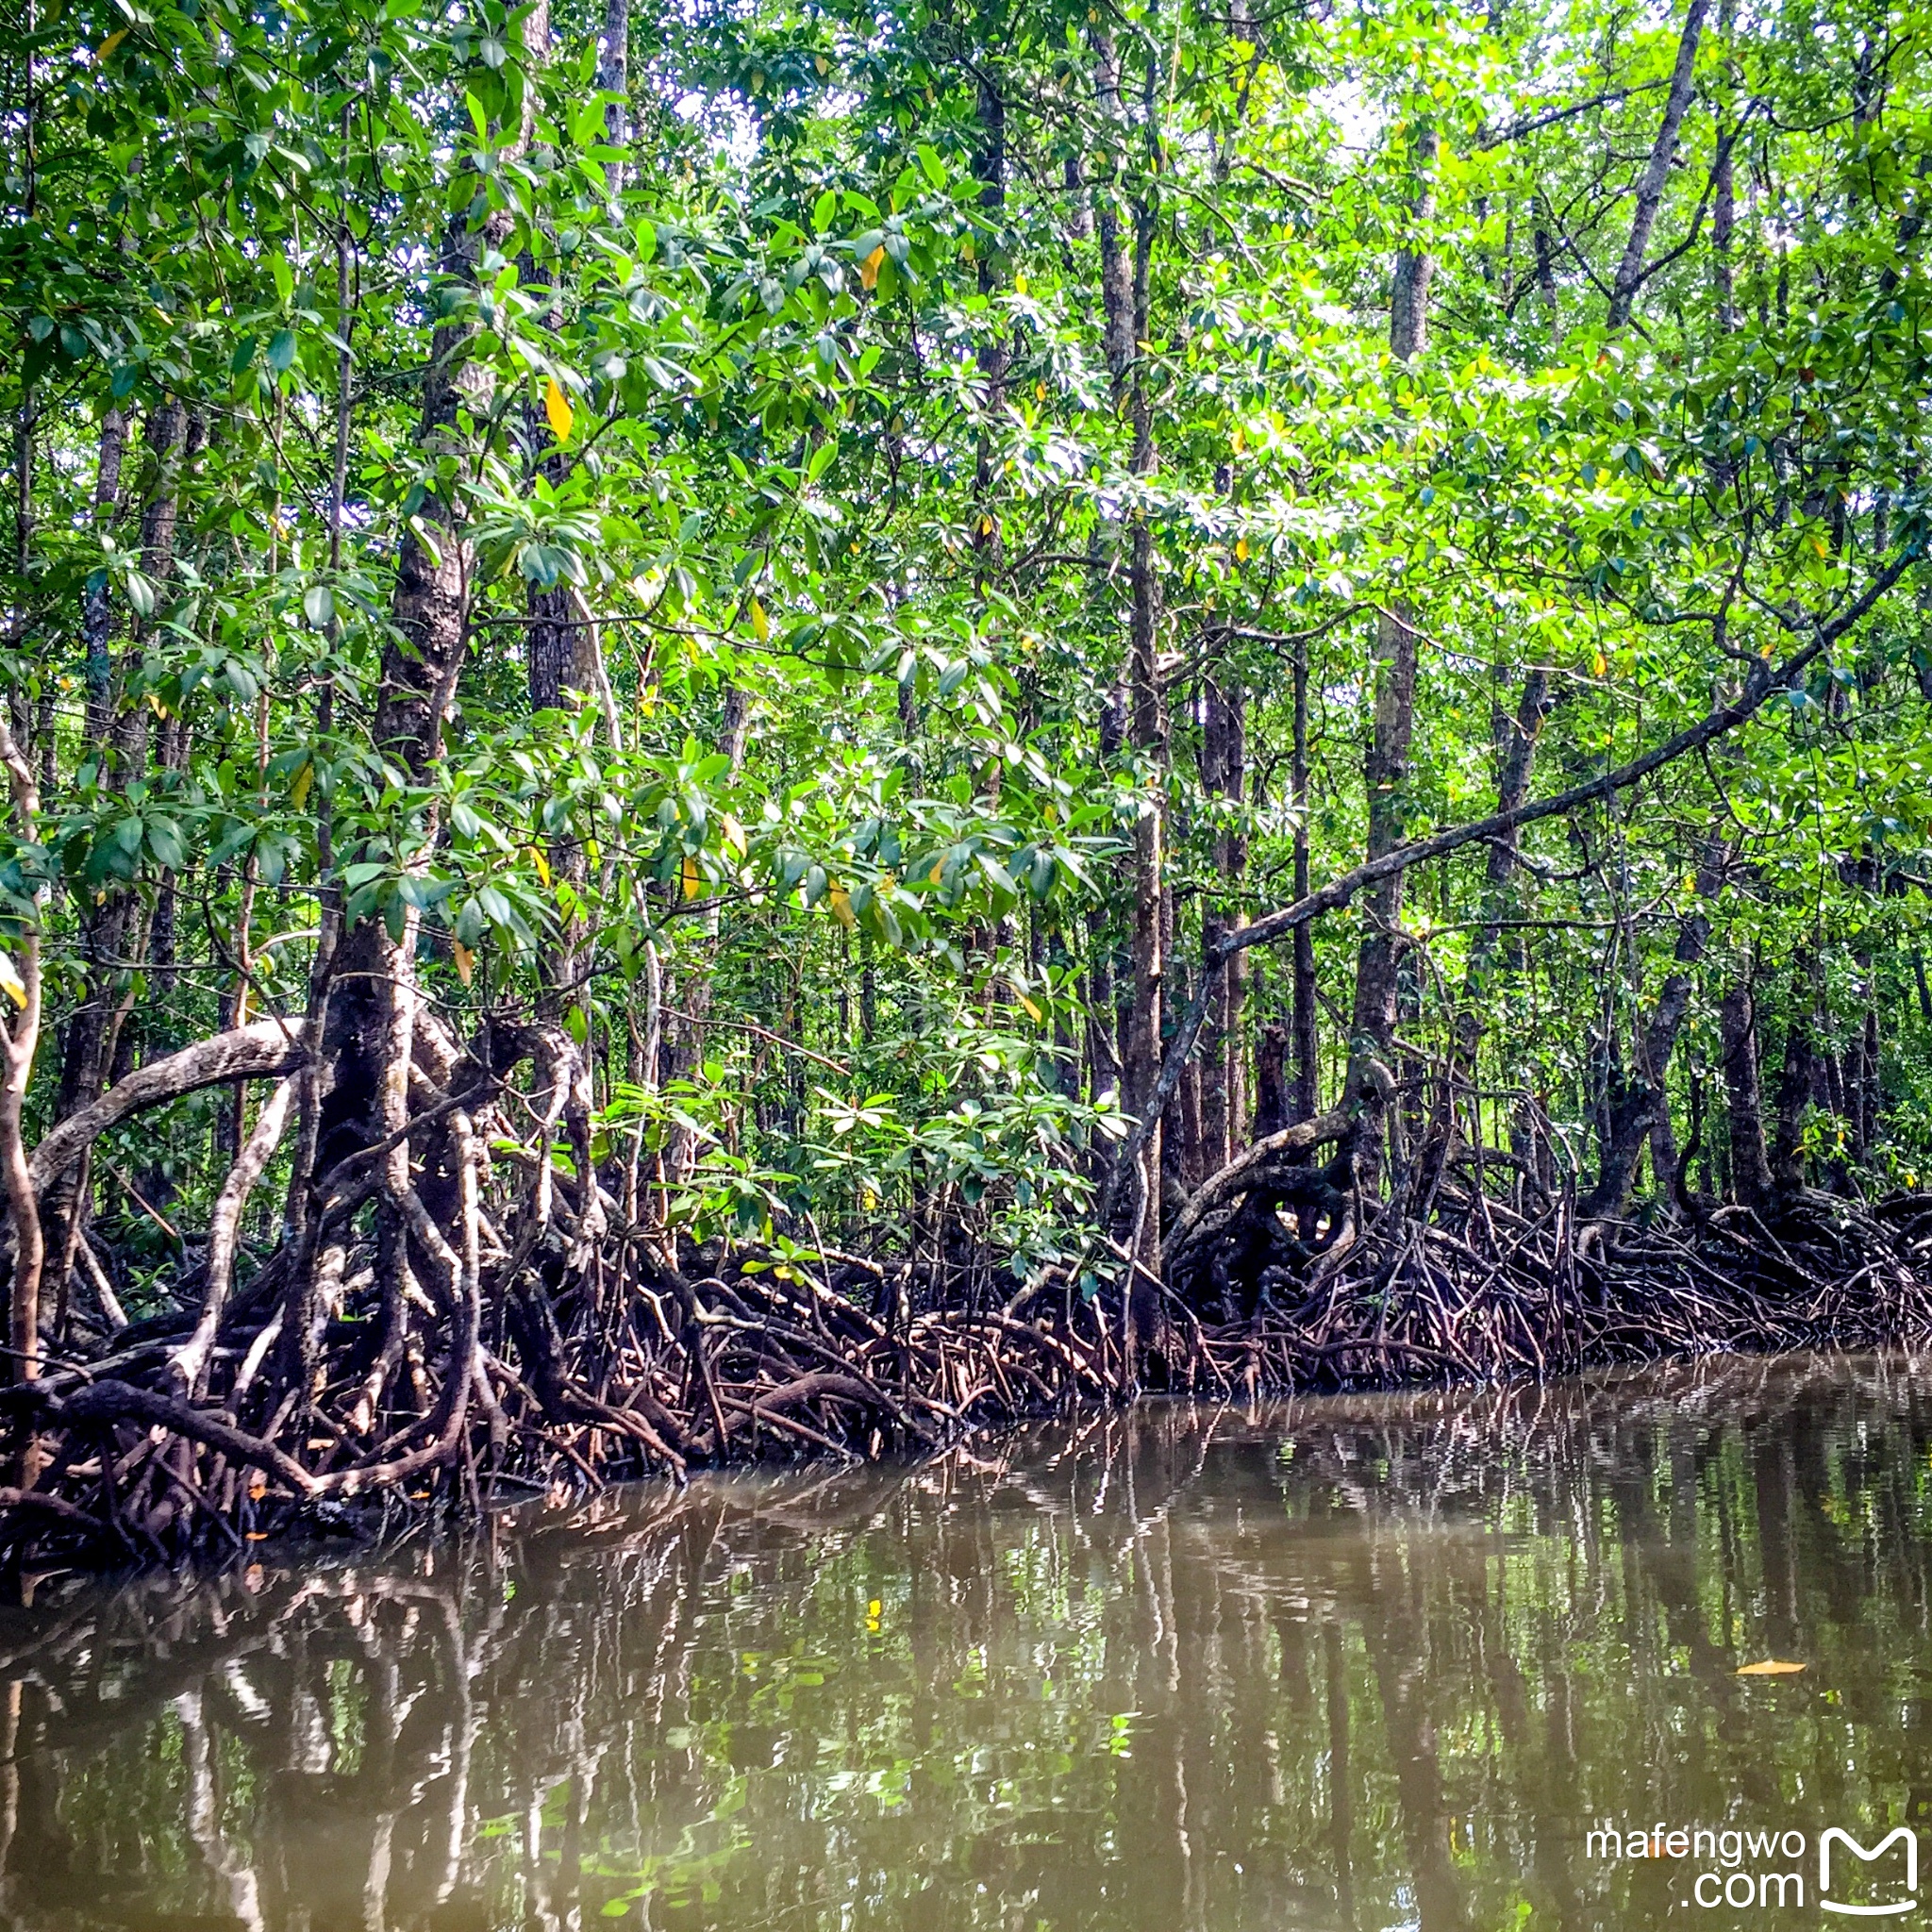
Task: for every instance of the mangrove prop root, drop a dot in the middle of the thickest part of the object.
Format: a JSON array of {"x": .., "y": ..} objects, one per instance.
[{"x": 493, "y": 1326}]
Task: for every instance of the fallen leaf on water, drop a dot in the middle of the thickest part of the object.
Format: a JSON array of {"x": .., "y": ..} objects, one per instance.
[{"x": 1770, "y": 1667}]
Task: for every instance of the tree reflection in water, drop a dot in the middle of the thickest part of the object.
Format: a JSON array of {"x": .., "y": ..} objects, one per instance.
[{"x": 1354, "y": 1663}]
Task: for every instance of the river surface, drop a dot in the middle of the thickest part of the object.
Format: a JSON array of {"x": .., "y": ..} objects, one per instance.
[{"x": 1359, "y": 1663}]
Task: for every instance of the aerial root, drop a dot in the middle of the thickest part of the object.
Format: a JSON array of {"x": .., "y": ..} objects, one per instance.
[{"x": 479, "y": 1321}]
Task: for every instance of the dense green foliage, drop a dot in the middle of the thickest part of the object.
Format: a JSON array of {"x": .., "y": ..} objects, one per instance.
[{"x": 797, "y": 367}]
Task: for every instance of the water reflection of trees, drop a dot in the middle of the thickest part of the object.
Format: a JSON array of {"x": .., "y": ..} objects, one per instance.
[{"x": 1362, "y": 1664}]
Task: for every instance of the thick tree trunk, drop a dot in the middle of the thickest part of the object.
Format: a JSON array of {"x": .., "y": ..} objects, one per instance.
[
  {"x": 1415, "y": 266},
  {"x": 1274, "y": 1097},
  {"x": 364, "y": 1013}
]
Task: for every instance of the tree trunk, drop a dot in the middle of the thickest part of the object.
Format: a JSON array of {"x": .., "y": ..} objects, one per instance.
[
  {"x": 613, "y": 77},
  {"x": 1125, "y": 295},
  {"x": 1657, "y": 172},
  {"x": 364, "y": 1013},
  {"x": 1798, "y": 1077},
  {"x": 1385, "y": 766},
  {"x": 1273, "y": 1096},
  {"x": 114, "y": 930},
  {"x": 990, "y": 170},
  {"x": 1307, "y": 1064},
  {"x": 1386, "y": 771},
  {"x": 1223, "y": 778},
  {"x": 1516, "y": 743},
  {"x": 1737, "y": 1024},
  {"x": 1635, "y": 1111}
]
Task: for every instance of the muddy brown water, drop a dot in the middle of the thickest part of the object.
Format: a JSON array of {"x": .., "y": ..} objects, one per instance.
[{"x": 1359, "y": 1663}]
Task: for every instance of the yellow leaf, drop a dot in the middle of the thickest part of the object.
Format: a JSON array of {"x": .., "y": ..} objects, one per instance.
[
  {"x": 541, "y": 864},
  {"x": 985, "y": 524},
  {"x": 841, "y": 905},
  {"x": 1770, "y": 1667},
  {"x": 874, "y": 1608},
  {"x": 1019, "y": 284},
  {"x": 108, "y": 46},
  {"x": 298, "y": 789},
  {"x": 938, "y": 866},
  {"x": 760, "y": 624},
  {"x": 820, "y": 63},
  {"x": 557, "y": 409},
  {"x": 692, "y": 884},
  {"x": 1033, "y": 1009},
  {"x": 1602, "y": 663},
  {"x": 466, "y": 961},
  {"x": 1240, "y": 551},
  {"x": 1040, "y": 391},
  {"x": 11, "y": 984},
  {"x": 869, "y": 268}
]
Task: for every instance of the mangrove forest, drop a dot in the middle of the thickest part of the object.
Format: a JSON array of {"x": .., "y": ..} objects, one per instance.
[{"x": 772, "y": 729}]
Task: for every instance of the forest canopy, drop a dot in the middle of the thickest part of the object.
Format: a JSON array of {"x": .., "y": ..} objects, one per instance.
[{"x": 1156, "y": 661}]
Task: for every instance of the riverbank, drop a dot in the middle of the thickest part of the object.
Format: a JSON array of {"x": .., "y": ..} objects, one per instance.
[
  {"x": 637, "y": 1369},
  {"x": 1348, "y": 1660}
]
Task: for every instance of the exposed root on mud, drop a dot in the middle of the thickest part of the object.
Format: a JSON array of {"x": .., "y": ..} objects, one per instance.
[{"x": 462, "y": 1308}]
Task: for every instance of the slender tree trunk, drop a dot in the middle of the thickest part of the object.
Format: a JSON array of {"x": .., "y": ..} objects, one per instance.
[
  {"x": 1223, "y": 778},
  {"x": 19, "y": 1042},
  {"x": 1645, "y": 1093},
  {"x": 1385, "y": 766},
  {"x": 1657, "y": 171},
  {"x": 1798, "y": 1077},
  {"x": 1303, "y": 1015},
  {"x": 990, "y": 168},
  {"x": 1386, "y": 770},
  {"x": 1126, "y": 256},
  {"x": 114, "y": 930},
  {"x": 1723, "y": 215},
  {"x": 1516, "y": 742},
  {"x": 613, "y": 77},
  {"x": 97, "y": 608}
]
